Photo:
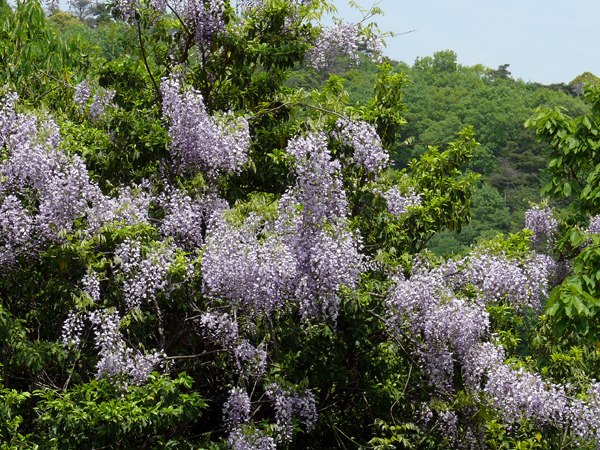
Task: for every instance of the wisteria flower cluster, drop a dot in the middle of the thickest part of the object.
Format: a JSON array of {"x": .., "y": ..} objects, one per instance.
[
  {"x": 363, "y": 138},
  {"x": 397, "y": 203},
  {"x": 221, "y": 328},
  {"x": 594, "y": 226},
  {"x": 236, "y": 409},
  {"x": 539, "y": 220},
  {"x": 307, "y": 254},
  {"x": 145, "y": 275},
  {"x": 450, "y": 331},
  {"x": 247, "y": 438},
  {"x": 255, "y": 273},
  {"x": 117, "y": 360},
  {"x": 342, "y": 38},
  {"x": 186, "y": 219},
  {"x": 312, "y": 220},
  {"x": 205, "y": 18},
  {"x": 200, "y": 142},
  {"x": 42, "y": 190},
  {"x": 102, "y": 100},
  {"x": 288, "y": 404},
  {"x": 497, "y": 278},
  {"x": 338, "y": 39},
  {"x": 250, "y": 361}
]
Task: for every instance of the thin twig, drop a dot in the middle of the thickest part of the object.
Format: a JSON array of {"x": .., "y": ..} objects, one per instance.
[
  {"x": 67, "y": 85},
  {"x": 146, "y": 61},
  {"x": 193, "y": 356},
  {"x": 326, "y": 111}
]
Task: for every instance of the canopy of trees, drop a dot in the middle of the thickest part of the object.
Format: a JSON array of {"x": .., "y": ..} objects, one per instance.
[{"x": 209, "y": 239}]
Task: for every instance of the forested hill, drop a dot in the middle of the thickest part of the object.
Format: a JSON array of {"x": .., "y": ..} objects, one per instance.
[{"x": 441, "y": 97}]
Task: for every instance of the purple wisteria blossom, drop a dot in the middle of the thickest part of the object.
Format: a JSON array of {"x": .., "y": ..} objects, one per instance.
[
  {"x": 102, "y": 100},
  {"x": 16, "y": 231},
  {"x": 247, "y": 438},
  {"x": 220, "y": 328},
  {"x": 129, "y": 207},
  {"x": 312, "y": 220},
  {"x": 186, "y": 219},
  {"x": 338, "y": 39},
  {"x": 8, "y": 116},
  {"x": 539, "y": 220},
  {"x": 363, "y": 138},
  {"x": 236, "y": 409},
  {"x": 255, "y": 273},
  {"x": 205, "y": 19},
  {"x": 289, "y": 404},
  {"x": 200, "y": 142},
  {"x": 450, "y": 331},
  {"x": 145, "y": 274},
  {"x": 497, "y": 278},
  {"x": 91, "y": 286},
  {"x": 81, "y": 95},
  {"x": 116, "y": 359},
  {"x": 594, "y": 226},
  {"x": 53, "y": 189},
  {"x": 250, "y": 361},
  {"x": 399, "y": 203}
]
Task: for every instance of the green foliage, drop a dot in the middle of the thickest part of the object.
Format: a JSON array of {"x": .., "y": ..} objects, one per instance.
[{"x": 97, "y": 414}]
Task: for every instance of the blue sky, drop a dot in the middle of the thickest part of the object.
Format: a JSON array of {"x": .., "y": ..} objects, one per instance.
[{"x": 549, "y": 41}]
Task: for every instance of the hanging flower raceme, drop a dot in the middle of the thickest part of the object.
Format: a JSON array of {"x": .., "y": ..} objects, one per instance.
[
  {"x": 398, "y": 204},
  {"x": 145, "y": 275},
  {"x": 539, "y": 220},
  {"x": 42, "y": 190},
  {"x": 186, "y": 219},
  {"x": 312, "y": 220},
  {"x": 102, "y": 100},
  {"x": 363, "y": 138},
  {"x": 116, "y": 359},
  {"x": 343, "y": 39},
  {"x": 254, "y": 272},
  {"x": 199, "y": 142}
]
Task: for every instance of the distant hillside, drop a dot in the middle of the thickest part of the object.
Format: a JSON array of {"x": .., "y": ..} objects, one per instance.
[{"x": 440, "y": 99}]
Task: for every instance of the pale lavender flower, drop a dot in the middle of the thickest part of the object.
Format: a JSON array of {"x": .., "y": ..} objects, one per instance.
[
  {"x": 594, "y": 226},
  {"x": 236, "y": 409},
  {"x": 8, "y": 116},
  {"x": 72, "y": 329},
  {"x": 219, "y": 328},
  {"x": 91, "y": 286},
  {"x": 199, "y": 142},
  {"x": 539, "y": 220},
  {"x": 289, "y": 404},
  {"x": 250, "y": 439},
  {"x": 144, "y": 276},
  {"x": 83, "y": 92},
  {"x": 363, "y": 138},
  {"x": 312, "y": 219},
  {"x": 338, "y": 39},
  {"x": 255, "y": 273},
  {"x": 101, "y": 100},
  {"x": 523, "y": 395},
  {"x": 399, "y": 203},
  {"x": 127, "y": 9},
  {"x": 250, "y": 361},
  {"x": 116, "y": 359},
  {"x": 186, "y": 218},
  {"x": 205, "y": 19},
  {"x": 16, "y": 231},
  {"x": 130, "y": 207}
]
